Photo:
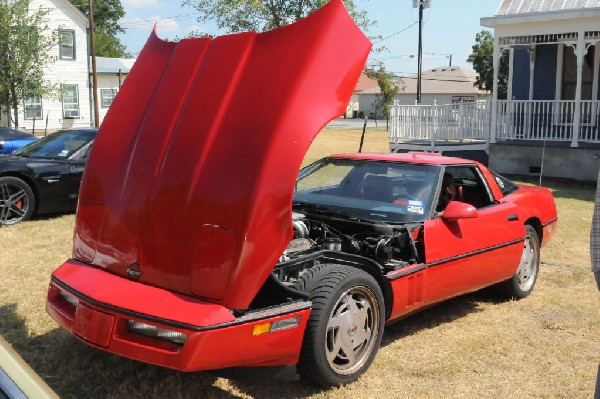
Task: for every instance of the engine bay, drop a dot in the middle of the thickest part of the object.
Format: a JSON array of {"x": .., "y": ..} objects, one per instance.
[{"x": 391, "y": 247}]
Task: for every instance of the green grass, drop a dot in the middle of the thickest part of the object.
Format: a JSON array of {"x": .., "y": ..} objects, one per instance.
[{"x": 546, "y": 346}]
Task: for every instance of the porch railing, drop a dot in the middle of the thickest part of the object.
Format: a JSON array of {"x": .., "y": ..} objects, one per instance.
[
  {"x": 439, "y": 122},
  {"x": 552, "y": 120}
]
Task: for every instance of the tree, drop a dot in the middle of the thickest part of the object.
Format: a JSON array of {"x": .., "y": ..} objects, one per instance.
[
  {"x": 388, "y": 88},
  {"x": 482, "y": 59},
  {"x": 107, "y": 14},
  {"x": 253, "y": 15},
  {"x": 109, "y": 46},
  {"x": 25, "y": 44}
]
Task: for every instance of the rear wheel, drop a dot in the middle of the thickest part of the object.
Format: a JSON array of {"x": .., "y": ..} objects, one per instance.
[
  {"x": 522, "y": 283},
  {"x": 345, "y": 326},
  {"x": 16, "y": 200}
]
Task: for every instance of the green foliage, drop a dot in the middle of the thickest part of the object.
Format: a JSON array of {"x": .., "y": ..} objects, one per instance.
[
  {"x": 25, "y": 44},
  {"x": 388, "y": 87},
  {"x": 107, "y": 14},
  {"x": 260, "y": 15},
  {"x": 482, "y": 59},
  {"x": 108, "y": 45}
]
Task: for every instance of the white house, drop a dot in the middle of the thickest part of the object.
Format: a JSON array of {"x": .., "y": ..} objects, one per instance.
[
  {"x": 551, "y": 119},
  {"x": 72, "y": 106},
  {"x": 111, "y": 73},
  {"x": 442, "y": 85}
]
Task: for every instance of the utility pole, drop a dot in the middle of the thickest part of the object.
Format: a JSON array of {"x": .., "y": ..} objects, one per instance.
[
  {"x": 93, "y": 53},
  {"x": 421, "y": 4}
]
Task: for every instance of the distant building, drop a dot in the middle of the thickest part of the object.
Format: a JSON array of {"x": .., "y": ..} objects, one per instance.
[
  {"x": 111, "y": 73},
  {"x": 72, "y": 106},
  {"x": 443, "y": 85},
  {"x": 364, "y": 83}
]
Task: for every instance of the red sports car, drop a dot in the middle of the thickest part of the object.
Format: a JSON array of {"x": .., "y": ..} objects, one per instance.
[{"x": 198, "y": 246}]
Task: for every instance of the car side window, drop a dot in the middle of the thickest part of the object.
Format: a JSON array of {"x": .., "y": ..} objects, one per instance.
[{"x": 469, "y": 186}]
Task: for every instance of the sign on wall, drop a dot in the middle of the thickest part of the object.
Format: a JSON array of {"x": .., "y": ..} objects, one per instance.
[{"x": 463, "y": 99}]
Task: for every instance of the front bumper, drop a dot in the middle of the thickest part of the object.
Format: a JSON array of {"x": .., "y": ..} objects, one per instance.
[{"x": 96, "y": 306}]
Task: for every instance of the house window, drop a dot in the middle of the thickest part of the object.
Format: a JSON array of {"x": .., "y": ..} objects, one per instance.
[
  {"x": 107, "y": 96},
  {"x": 33, "y": 107},
  {"x": 67, "y": 45},
  {"x": 70, "y": 101},
  {"x": 569, "y": 74}
]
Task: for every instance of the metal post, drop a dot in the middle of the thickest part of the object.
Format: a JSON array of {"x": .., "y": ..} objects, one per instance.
[
  {"x": 420, "y": 52},
  {"x": 496, "y": 61},
  {"x": 94, "y": 75},
  {"x": 580, "y": 53},
  {"x": 362, "y": 138}
]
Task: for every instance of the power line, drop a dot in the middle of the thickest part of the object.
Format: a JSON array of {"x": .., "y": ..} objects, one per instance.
[{"x": 397, "y": 33}]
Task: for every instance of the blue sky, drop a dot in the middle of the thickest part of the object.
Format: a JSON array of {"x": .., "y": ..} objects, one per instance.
[{"x": 449, "y": 28}]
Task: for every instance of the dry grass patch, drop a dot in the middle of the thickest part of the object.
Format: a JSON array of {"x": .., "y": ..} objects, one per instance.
[{"x": 546, "y": 346}]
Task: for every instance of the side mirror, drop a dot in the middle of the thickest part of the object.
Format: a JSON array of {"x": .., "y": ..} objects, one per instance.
[{"x": 459, "y": 210}]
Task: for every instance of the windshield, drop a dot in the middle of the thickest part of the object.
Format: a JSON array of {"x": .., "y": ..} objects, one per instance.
[
  {"x": 58, "y": 145},
  {"x": 378, "y": 191}
]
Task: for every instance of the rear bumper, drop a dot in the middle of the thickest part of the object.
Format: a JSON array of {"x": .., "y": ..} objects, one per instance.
[{"x": 95, "y": 307}]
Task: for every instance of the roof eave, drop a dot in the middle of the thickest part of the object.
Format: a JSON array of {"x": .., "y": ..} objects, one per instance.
[{"x": 514, "y": 19}]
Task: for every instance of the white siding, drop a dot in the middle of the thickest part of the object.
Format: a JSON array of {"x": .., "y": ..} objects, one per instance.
[
  {"x": 64, "y": 16},
  {"x": 107, "y": 82}
]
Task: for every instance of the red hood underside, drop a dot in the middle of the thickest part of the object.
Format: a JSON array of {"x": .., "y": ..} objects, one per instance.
[{"x": 192, "y": 174}]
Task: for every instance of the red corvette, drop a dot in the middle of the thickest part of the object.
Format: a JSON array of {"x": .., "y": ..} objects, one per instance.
[{"x": 199, "y": 246}]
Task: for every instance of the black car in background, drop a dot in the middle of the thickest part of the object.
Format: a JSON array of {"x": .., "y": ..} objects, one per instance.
[{"x": 44, "y": 176}]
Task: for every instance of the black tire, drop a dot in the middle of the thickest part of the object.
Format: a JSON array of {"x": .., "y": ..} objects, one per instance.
[
  {"x": 522, "y": 283},
  {"x": 345, "y": 326},
  {"x": 17, "y": 201}
]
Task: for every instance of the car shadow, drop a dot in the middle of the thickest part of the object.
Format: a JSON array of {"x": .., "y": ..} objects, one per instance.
[
  {"x": 75, "y": 370},
  {"x": 438, "y": 314}
]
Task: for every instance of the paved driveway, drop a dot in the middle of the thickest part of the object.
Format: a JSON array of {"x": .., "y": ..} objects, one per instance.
[{"x": 357, "y": 123}]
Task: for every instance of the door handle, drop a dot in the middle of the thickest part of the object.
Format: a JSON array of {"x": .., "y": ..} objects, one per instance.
[
  {"x": 51, "y": 179},
  {"x": 513, "y": 217}
]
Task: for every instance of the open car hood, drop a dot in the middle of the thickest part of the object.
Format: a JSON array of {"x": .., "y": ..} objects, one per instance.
[{"x": 189, "y": 185}]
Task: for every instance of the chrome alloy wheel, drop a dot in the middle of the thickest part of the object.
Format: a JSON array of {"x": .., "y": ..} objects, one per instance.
[
  {"x": 526, "y": 273},
  {"x": 352, "y": 330},
  {"x": 14, "y": 203}
]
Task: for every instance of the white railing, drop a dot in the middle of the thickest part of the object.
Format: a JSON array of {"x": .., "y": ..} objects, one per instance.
[
  {"x": 552, "y": 120},
  {"x": 439, "y": 122},
  {"x": 537, "y": 120}
]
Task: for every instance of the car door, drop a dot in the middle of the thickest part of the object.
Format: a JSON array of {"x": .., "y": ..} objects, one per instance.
[
  {"x": 471, "y": 253},
  {"x": 52, "y": 179}
]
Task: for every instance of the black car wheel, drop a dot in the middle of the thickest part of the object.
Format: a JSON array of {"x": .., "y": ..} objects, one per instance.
[
  {"x": 16, "y": 200},
  {"x": 345, "y": 326}
]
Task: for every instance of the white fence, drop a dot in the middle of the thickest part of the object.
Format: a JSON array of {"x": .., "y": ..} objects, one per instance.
[
  {"x": 547, "y": 120},
  {"x": 552, "y": 120},
  {"x": 440, "y": 122}
]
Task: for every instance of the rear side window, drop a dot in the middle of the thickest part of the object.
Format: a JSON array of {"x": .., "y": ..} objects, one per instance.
[{"x": 506, "y": 186}]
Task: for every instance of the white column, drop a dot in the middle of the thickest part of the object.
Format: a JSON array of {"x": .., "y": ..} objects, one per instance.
[
  {"x": 531, "y": 53},
  {"x": 511, "y": 57},
  {"x": 529, "y": 107},
  {"x": 580, "y": 53},
  {"x": 493, "y": 123}
]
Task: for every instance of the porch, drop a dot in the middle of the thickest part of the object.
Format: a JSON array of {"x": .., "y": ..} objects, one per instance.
[
  {"x": 527, "y": 137},
  {"x": 565, "y": 121}
]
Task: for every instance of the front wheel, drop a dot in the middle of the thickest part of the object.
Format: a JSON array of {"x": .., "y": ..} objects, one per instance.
[
  {"x": 16, "y": 200},
  {"x": 345, "y": 326},
  {"x": 522, "y": 283}
]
